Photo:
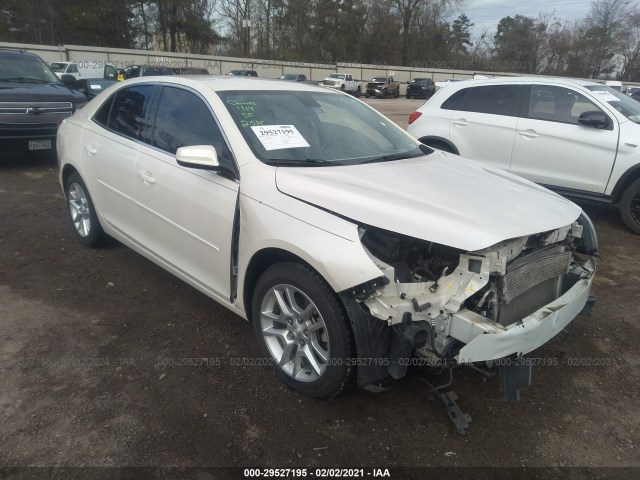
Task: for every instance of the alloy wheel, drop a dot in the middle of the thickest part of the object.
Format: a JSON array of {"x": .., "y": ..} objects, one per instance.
[
  {"x": 79, "y": 209},
  {"x": 295, "y": 333}
]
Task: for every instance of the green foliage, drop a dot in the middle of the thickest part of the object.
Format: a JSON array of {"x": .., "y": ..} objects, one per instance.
[
  {"x": 460, "y": 34},
  {"x": 419, "y": 33},
  {"x": 515, "y": 43}
]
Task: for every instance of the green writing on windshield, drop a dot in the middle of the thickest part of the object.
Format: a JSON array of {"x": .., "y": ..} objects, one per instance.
[{"x": 246, "y": 111}]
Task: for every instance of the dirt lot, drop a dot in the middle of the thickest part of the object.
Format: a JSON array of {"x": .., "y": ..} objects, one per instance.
[{"x": 101, "y": 364}]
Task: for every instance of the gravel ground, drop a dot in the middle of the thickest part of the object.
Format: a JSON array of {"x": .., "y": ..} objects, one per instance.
[{"x": 107, "y": 360}]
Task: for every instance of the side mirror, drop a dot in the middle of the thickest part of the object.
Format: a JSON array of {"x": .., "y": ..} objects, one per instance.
[
  {"x": 68, "y": 80},
  {"x": 198, "y": 156},
  {"x": 594, "y": 119}
]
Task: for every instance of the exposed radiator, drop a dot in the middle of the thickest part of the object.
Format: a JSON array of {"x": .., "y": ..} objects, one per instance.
[{"x": 533, "y": 269}]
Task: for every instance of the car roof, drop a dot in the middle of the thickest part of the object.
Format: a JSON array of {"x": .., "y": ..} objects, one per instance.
[
  {"x": 530, "y": 79},
  {"x": 220, "y": 83}
]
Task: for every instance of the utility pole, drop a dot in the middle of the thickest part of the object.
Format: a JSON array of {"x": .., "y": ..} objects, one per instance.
[{"x": 246, "y": 23}]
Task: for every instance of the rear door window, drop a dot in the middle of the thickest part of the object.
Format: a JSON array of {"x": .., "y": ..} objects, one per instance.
[
  {"x": 129, "y": 111},
  {"x": 102, "y": 115},
  {"x": 492, "y": 99},
  {"x": 488, "y": 99}
]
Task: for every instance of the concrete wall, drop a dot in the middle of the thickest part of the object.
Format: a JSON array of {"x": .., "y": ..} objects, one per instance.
[{"x": 222, "y": 65}]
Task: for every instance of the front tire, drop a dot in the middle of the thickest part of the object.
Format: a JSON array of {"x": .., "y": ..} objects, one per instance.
[
  {"x": 630, "y": 206},
  {"x": 302, "y": 328},
  {"x": 82, "y": 212}
]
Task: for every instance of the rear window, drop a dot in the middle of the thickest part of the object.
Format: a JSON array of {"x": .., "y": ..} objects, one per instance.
[
  {"x": 454, "y": 102},
  {"x": 489, "y": 99}
]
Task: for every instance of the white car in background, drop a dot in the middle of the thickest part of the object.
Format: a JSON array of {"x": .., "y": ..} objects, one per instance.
[
  {"x": 579, "y": 138},
  {"x": 443, "y": 83},
  {"x": 84, "y": 70},
  {"x": 351, "y": 247}
]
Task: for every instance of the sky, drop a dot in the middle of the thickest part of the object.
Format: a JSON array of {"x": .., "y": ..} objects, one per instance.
[{"x": 487, "y": 13}]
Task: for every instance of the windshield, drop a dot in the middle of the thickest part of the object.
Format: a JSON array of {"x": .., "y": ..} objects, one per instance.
[
  {"x": 299, "y": 128},
  {"x": 58, "y": 67},
  {"x": 335, "y": 75},
  {"x": 379, "y": 79},
  {"x": 26, "y": 68},
  {"x": 627, "y": 106},
  {"x": 289, "y": 77}
]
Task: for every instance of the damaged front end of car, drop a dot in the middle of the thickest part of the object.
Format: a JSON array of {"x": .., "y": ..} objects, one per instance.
[{"x": 440, "y": 307}]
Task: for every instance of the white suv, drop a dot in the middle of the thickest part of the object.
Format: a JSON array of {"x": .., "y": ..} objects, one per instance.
[{"x": 579, "y": 138}]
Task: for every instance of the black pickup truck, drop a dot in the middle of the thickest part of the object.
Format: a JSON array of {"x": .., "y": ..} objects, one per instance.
[{"x": 33, "y": 102}]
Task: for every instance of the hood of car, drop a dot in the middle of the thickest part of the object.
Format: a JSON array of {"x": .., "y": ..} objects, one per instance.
[
  {"x": 439, "y": 197},
  {"x": 38, "y": 92}
]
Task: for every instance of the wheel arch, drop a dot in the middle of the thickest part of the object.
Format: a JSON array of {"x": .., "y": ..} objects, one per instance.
[
  {"x": 432, "y": 141},
  {"x": 371, "y": 336},
  {"x": 626, "y": 179},
  {"x": 67, "y": 170},
  {"x": 260, "y": 262}
]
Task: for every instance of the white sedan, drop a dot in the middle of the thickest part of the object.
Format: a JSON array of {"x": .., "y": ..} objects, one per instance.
[{"x": 352, "y": 248}]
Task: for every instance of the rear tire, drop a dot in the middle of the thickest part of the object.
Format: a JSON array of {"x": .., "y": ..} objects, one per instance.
[
  {"x": 630, "y": 206},
  {"x": 303, "y": 330},
  {"x": 82, "y": 213}
]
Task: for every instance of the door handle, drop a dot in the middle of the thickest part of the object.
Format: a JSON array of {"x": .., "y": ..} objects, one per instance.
[
  {"x": 91, "y": 149},
  {"x": 528, "y": 134},
  {"x": 147, "y": 178},
  {"x": 461, "y": 122}
]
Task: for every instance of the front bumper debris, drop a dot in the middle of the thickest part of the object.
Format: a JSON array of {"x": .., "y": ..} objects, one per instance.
[{"x": 490, "y": 341}]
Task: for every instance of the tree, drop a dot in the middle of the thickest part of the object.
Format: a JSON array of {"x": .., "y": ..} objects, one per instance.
[
  {"x": 515, "y": 44},
  {"x": 183, "y": 25},
  {"x": 554, "y": 43},
  {"x": 380, "y": 40},
  {"x": 408, "y": 10},
  {"x": 600, "y": 36},
  {"x": 629, "y": 43},
  {"x": 86, "y": 22},
  {"x": 460, "y": 34},
  {"x": 337, "y": 29}
]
